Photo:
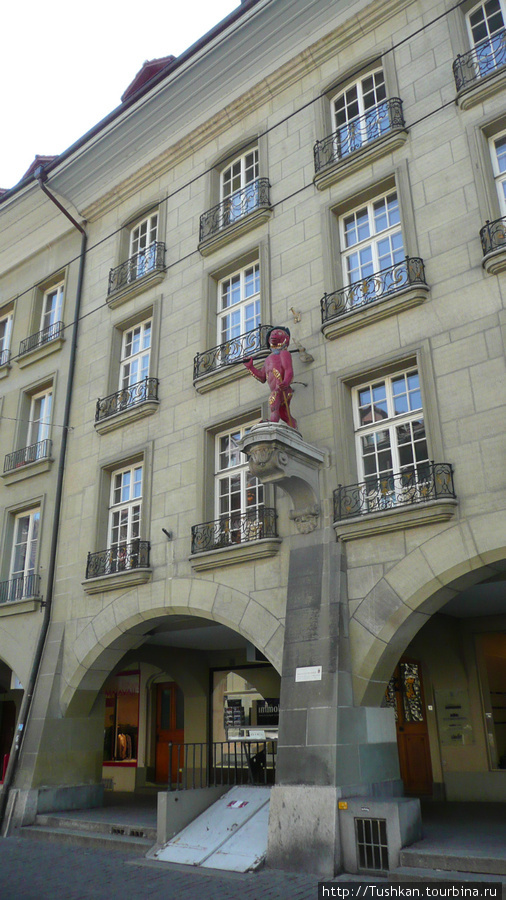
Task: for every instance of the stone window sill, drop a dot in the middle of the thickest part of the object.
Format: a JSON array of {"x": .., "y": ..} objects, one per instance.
[
  {"x": 231, "y": 232},
  {"x": 116, "y": 298},
  {"x": 118, "y": 580},
  {"x": 15, "y": 607},
  {"x": 481, "y": 90},
  {"x": 4, "y": 370},
  {"x": 27, "y": 470},
  {"x": 359, "y": 158},
  {"x": 127, "y": 416},
  {"x": 40, "y": 352},
  {"x": 395, "y": 519},
  {"x": 234, "y": 555},
  {"x": 495, "y": 262},
  {"x": 373, "y": 312}
]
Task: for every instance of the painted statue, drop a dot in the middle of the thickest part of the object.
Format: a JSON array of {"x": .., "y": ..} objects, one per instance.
[{"x": 277, "y": 370}]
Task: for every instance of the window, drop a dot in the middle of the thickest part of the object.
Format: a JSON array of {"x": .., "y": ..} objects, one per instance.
[
  {"x": 5, "y": 338},
  {"x": 239, "y": 303},
  {"x": 125, "y": 518},
  {"x": 238, "y": 186},
  {"x": 143, "y": 256},
  {"x": 24, "y": 555},
  {"x": 51, "y": 312},
  {"x": 498, "y": 153},
  {"x": 135, "y": 354},
  {"x": 360, "y": 113},
  {"x": 391, "y": 442},
  {"x": 40, "y": 417},
  {"x": 371, "y": 239},
  {"x": 486, "y": 30},
  {"x": 239, "y": 496}
]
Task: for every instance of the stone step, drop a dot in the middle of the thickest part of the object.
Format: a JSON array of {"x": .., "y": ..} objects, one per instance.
[
  {"x": 130, "y": 844},
  {"x": 454, "y": 862},
  {"x": 419, "y": 874},
  {"x": 92, "y": 825}
]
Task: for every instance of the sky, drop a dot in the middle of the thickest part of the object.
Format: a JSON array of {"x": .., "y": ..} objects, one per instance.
[{"x": 64, "y": 66}]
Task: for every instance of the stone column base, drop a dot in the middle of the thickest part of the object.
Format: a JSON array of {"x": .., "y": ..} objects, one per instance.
[{"x": 303, "y": 829}]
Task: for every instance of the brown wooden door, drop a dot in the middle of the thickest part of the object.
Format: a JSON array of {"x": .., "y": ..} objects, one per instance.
[
  {"x": 405, "y": 695},
  {"x": 169, "y": 729}
]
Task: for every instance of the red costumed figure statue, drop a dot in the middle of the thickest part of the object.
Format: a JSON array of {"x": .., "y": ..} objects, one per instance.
[{"x": 277, "y": 370}]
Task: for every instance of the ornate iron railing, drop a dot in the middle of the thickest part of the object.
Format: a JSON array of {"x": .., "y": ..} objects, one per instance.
[
  {"x": 41, "y": 450},
  {"x": 5, "y": 356},
  {"x": 231, "y": 351},
  {"x": 493, "y": 235},
  {"x": 381, "y": 284},
  {"x": 482, "y": 60},
  {"x": 236, "y": 528},
  {"x": 120, "y": 558},
  {"x": 42, "y": 337},
  {"x": 21, "y": 588},
  {"x": 200, "y": 765},
  {"x": 147, "y": 389},
  {"x": 429, "y": 481},
  {"x": 151, "y": 259},
  {"x": 386, "y": 116},
  {"x": 253, "y": 196}
]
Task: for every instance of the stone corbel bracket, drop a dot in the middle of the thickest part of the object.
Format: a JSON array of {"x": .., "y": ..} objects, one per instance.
[{"x": 278, "y": 455}]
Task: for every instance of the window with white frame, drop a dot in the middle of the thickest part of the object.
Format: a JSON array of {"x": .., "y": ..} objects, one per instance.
[
  {"x": 238, "y": 185},
  {"x": 371, "y": 242},
  {"x": 498, "y": 153},
  {"x": 52, "y": 302},
  {"x": 485, "y": 23},
  {"x": 39, "y": 425},
  {"x": 23, "y": 561},
  {"x": 239, "y": 495},
  {"x": 143, "y": 237},
  {"x": 360, "y": 113},
  {"x": 125, "y": 518},
  {"x": 391, "y": 442},
  {"x": 5, "y": 338},
  {"x": 238, "y": 306},
  {"x": 135, "y": 354}
]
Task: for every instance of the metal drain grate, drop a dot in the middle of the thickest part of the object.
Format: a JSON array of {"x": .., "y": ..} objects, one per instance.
[{"x": 372, "y": 847}]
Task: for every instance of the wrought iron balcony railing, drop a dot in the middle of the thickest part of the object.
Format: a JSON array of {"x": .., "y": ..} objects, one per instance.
[
  {"x": 408, "y": 273},
  {"x": 24, "y": 587},
  {"x": 42, "y": 337},
  {"x": 120, "y": 558},
  {"x": 380, "y": 120},
  {"x": 231, "y": 351},
  {"x": 236, "y": 528},
  {"x": 253, "y": 196},
  {"x": 487, "y": 57},
  {"x": 5, "y": 356},
  {"x": 493, "y": 235},
  {"x": 152, "y": 259},
  {"x": 19, "y": 458},
  {"x": 147, "y": 389},
  {"x": 429, "y": 481}
]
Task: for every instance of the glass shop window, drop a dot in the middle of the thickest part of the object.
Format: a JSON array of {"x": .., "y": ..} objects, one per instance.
[{"x": 121, "y": 724}]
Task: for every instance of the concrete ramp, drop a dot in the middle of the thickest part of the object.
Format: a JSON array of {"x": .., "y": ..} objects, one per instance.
[{"x": 231, "y": 834}]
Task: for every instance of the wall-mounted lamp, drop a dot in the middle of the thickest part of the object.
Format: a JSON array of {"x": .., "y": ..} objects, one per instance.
[{"x": 168, "y": 534}]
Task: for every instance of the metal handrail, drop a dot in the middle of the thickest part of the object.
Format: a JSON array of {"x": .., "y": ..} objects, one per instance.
[
  {"x": 486, "y": 58},
  {"x": 235, "y": 528},
  {"x": 151, "y": 259},
  {"x": 41, "y": 337},
  {"x": 203, "y": 764},
  {"x": 41, "y": 450},
  {"x": 232, "y": 351},
  {"x": 233, "y": 208},
  {"x": 363, "y": 130},
  {"x": 140, "y": 392},
  {"x": 23, "y": 587},
  {"x": 405, "y": 274},
  {"x": 120, "y": 558},
  {"x": 428, "y": 481},
  {"x": 493, "y": 235}
]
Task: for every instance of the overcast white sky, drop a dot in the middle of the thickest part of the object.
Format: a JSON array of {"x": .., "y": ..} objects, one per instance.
[{"x": 64, "y": 66}]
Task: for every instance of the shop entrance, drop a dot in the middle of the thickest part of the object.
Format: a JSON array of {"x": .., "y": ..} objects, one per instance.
[
  {"x": 405, "y": 695},
  {"x": 169, "y": 728}
]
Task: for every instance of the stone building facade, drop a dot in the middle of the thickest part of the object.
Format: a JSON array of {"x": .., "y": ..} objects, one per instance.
[{"x": 330, "y": 167}]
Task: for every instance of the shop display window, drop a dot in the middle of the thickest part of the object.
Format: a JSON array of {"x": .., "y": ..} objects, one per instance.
[{"x": 121, "y": 724}]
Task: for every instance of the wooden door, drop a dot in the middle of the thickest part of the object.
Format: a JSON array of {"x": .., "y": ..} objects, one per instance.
[
  {"x": 405, "y": 694},
  {"x": 169, "y": 728}
]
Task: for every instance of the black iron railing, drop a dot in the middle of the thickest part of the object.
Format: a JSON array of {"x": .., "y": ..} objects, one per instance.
[
  {"x": 488, "y": 56},
  {"x": 22, "y": 588},
  {"x": 429, "y": 481},
  {"x": 41, "y": 450},
  {"x": 201, "y": 765},
  {"x": 120, "y": 558},
  {"x": 253, "y": 196},
  {"x": 236, "y": 528},
  {"x": 231, "y": 351},
  {"x": 147, "y": 389},
  {"x": 380, "y": 120},
  {"x": 5, "y": 356},
  {"x": 493, "y": 235},
  {"x": 408, "y": 273},
  {"x": 42, "y": 337},
  {"x": 151, "y": 259}
]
